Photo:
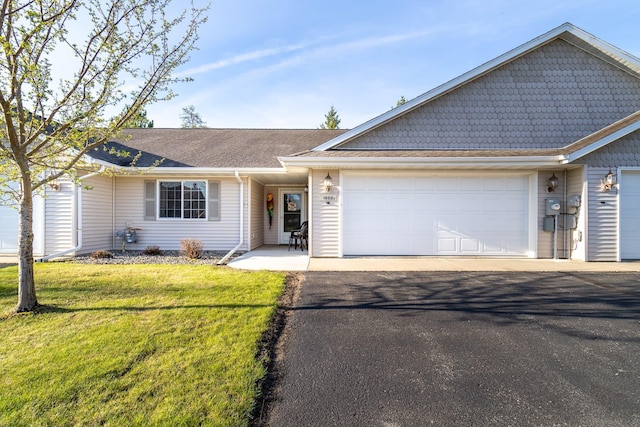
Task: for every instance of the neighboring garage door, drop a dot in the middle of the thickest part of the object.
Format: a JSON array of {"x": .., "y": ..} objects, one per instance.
[
  {"x": 8, "y": 230},
  {"x": 630, "y": 215},
  {"x": 400, "y": 214}
]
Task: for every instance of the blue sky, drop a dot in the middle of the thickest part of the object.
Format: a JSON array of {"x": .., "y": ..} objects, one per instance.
[{"x": 284, "y": 63}]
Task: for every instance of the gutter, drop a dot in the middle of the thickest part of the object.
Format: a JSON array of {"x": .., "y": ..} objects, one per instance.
[
  {"x": 189, "y": 170},
  {"x": 422, "y": 162},
  {"x": 76, "y": 219},
  {"x": 224, "y": 259}
]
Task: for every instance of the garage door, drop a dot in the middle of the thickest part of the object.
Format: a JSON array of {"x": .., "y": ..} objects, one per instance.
[
  {"x": 436, "y": 215},
  {"x": 8, "y": 230},
  {"x": 630, "y": 215}
]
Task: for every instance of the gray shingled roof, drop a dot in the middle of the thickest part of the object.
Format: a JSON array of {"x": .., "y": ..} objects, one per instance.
[{"x": 215, "y": 148}]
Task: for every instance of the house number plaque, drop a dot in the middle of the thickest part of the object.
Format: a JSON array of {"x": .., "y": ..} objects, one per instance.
[{"x": 328, "y": 198}]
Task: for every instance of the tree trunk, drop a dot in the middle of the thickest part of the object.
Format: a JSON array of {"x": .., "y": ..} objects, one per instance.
[{"x": 27, "y": 300}]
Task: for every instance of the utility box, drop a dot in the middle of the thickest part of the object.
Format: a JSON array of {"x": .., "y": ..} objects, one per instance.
[
  {"x": 130, "y": 236},
  {"x": 571, "y": 222},
  {"x": 552, "y": 206},
  {"x": 548, "y": 223},
  {"x": 574, "y": 201}
]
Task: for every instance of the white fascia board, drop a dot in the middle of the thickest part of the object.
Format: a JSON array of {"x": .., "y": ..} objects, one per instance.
[
  {"x": 446, "y": 87},
  {"x": 421, "y": 162},
  {"x": 90, "y": 160},
  {"x": 602, "y": 142},
  {"x": 624, "y": 58}
]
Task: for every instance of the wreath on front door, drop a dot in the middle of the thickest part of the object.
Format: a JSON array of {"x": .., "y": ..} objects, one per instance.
[{"x": 270, "y": 208}]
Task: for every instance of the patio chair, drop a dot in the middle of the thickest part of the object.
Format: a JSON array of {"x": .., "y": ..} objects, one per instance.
[{"x": 299, "y": 236}]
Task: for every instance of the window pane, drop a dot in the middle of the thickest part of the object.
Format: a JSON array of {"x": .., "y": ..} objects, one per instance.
[
  {"x": 195, "y": 196},
  {"x": 292, "y": 211},
  {"x": 170, "y": 200}
]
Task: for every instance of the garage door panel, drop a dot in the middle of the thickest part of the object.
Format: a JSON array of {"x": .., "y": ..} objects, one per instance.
[
  {"x": 470, "y": 215},
  {"x": 400, "y": 221},
  {"x": 447, "y": 245},
  {"x": 469, "y": 245},
  {"x": 630, "y": 215},
  {"x": 8, "y": 230}
]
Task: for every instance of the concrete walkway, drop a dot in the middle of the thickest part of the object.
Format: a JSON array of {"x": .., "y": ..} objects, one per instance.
[
  {"x": 273, "y": 258},
  {"x": 278, "y": 258}
]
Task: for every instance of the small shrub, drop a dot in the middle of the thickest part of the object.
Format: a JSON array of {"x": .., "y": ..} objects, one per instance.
[
  {"x": 152, "y": 250},
  {"x": 101, "y": 254},
  {"x": 191, "y": 248}
]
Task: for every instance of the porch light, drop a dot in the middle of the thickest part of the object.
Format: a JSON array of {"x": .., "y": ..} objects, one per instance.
[
  {"x": 609, "y": 180},
  {"x": 328, "y": 183},
  {"x": 553, "y": 183}
]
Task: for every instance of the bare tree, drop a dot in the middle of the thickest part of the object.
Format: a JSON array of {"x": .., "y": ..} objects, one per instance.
[
  {"x": 190, "y": 118},
  {"x": 52, "y": 111}
]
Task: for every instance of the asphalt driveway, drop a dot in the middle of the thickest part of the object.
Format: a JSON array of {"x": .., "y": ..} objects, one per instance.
[{"x": 462, "y": 349}]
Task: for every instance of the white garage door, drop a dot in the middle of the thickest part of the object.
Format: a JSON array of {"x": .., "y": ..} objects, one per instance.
[
  {"x": 395, "y": 214},
  {"x": 630, "y": 215},
  {"x": 8, "y": 230}
]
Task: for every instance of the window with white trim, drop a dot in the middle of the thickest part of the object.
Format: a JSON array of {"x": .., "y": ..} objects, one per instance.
[{"x": 182, "y": 199}]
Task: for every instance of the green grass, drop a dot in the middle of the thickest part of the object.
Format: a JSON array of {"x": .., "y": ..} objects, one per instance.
[{"x": 134, "y": 345}]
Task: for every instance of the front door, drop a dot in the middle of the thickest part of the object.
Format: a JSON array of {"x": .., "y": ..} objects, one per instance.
[{"x": 291, "y": 213}]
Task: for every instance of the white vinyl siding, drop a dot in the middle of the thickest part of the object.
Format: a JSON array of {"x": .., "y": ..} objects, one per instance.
[
  {"x": 567, "y": 247},
  {"x": 545, "y": 238},
  {"x": 602, "y": 228},
  {"x": 59, "y": 227},
  {"x": 257, "y": 207},
  {"x": 216, "y": 235},
  {"x": 324, "y": 225},
  {"x": 97, "y": 214},
  {"x": 576, "y": 238},
  {"x": 436, "y": 214}
]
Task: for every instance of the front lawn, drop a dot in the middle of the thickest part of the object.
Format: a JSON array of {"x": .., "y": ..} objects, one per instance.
[{"x": 134, "y": 345}]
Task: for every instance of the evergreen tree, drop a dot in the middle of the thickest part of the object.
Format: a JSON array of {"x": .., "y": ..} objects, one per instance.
[{"x": 331, "y": 120}]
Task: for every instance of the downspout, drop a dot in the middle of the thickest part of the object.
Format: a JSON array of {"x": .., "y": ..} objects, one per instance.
[
  {"x": 76, "y": 220},
  {"x": 241, "y": 238}
]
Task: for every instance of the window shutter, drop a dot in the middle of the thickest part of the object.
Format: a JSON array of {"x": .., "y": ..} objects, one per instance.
[
  {"x": 149, "y": 200},
  {"x": 214, "y": 200}
]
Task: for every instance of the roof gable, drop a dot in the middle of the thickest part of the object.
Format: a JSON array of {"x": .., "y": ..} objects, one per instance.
[{"x": 546, "y": 94}]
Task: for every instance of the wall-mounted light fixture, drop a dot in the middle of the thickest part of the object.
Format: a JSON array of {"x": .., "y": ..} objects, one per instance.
[
  {"x": 328, "y": 183},
  {"x": 306, "y": 188},
  {"x": 609, "y": 181},
  {"x": 54, "y": 185},
  {"x": 553, "y": 183}
]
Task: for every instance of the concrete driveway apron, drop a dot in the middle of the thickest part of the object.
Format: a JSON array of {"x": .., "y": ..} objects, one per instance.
[{"x": 462, "y": 349}]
